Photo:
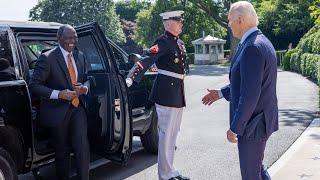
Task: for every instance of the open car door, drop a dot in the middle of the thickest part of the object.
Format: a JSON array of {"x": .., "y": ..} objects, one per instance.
[{"x": 109, "y": 121}]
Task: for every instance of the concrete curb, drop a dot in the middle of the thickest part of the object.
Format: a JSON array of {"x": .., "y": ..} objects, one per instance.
[{"x": 294, "y": 148}]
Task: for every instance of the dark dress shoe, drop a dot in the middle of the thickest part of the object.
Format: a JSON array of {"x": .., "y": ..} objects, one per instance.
[
  {"x": 180, "y": 177},
  {"x": 173, "y": 178}
]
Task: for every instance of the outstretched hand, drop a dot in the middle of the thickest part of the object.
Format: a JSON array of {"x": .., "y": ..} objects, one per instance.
[{"x": 211, "y": 97}]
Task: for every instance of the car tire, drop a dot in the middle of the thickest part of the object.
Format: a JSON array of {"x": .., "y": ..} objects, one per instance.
[
  {"x": 8, "y": 169},
  {"x": 150, "y": 138}
]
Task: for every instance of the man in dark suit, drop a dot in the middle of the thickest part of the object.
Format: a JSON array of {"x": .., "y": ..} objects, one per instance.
[
  {"x": 169, "y": 53},
  {"x": 55, "y": 80},
  {"x": 251, "y": 92}
]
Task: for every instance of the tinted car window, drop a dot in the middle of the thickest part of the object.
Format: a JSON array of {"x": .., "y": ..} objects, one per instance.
[
  {"x": 88, "y": 47},
  {"x": 33, "y": 49},
  {"x": 120, "y": 58}
]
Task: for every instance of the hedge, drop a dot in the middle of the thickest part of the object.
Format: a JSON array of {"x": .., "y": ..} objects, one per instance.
[
  {"x": 310, "y": 65},
  {"x": 305, "y": 58},
  {"x": 285, "y": 63}
]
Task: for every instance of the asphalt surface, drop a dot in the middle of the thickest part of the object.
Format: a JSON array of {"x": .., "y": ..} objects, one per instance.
[{"x": 203, "y": 150}]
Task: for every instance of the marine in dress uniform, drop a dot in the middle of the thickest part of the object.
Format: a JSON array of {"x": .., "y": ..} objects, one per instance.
[{"x": 168, "y": 53}]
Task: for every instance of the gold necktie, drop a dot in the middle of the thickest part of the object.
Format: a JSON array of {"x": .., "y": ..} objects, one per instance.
[{"x": 72, "y": 73}]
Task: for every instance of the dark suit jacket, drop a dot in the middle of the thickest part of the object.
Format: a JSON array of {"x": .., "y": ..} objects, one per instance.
[
  {"x": 252, "y": 89},
  {"x": 51, "y": 73}
]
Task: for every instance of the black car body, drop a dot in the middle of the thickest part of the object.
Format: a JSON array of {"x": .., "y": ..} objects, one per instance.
[{"x": 115, "y": 113}]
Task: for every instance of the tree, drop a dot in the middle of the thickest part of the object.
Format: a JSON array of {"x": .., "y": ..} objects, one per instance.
[
  {"x": 218, "y": 10},
  {"x": 150, "y": 23},
  {"x": 284, "y": 21},
  {"x": 129, "y": 9},
  {"x": 315, "y": 11},
  {"x": 77, "y": 12}
]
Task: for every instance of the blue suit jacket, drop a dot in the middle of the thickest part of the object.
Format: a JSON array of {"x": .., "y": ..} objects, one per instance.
[{"x": 252, "y": 89}]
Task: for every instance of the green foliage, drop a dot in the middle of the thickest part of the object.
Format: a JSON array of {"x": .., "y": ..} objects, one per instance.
[
  {"x": 284, "y": 21},
  {"x": 150, "y": 24},
  {"x": 129, "y": 9},
  {"x": 305, "y": 58},
  {"x": 285, "y": 63},
  {"x": 310, "y": 65},
  {"x": 144, "y": 30},
  {"x": 77, "y": 12},
  {"x": 315, "y": 11},
  {"x": 190, "y": 58},
  {"x": 295, "y": 62}
]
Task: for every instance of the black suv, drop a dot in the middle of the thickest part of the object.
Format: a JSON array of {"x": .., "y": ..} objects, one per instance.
[{"x": 115, "y": 113}]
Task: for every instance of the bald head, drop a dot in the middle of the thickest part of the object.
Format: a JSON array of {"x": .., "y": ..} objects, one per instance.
[
  {"x": 67, "y": 37},
  {"x": 241, "y": 18},
  {"x": 246, "y": 10}
]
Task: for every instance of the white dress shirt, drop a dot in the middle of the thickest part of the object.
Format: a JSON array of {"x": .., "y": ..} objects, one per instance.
[{"x": 55, "y": 93}]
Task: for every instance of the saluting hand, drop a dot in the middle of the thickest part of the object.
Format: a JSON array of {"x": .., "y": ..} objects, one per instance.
[
  {"x": 67, "y": 94},
  {"x": 211, "y": 97}
]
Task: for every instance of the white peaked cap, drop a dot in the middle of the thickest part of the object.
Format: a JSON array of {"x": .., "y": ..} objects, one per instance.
[{"x": 172, "y": 15}]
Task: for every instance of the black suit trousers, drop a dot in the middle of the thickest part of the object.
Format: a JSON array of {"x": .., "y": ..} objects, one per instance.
[{"x": 73, "y": 129}]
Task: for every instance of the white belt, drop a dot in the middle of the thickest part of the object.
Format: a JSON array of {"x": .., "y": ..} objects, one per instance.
[{"x": 172, "y": 74}]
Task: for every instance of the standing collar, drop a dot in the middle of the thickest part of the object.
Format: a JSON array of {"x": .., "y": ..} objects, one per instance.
[{"x": 247, "y": 34}]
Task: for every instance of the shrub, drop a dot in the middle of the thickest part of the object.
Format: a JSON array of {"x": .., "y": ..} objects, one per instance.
[
  {"x": 295, "y": 62},
  {"x": 285, "y": 63},
  {"x": 310, "y": 65},
  {"x": 190, "y": 58}
]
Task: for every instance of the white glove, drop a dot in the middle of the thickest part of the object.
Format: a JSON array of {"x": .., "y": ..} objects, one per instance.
[{"x": 129, "y": 82}]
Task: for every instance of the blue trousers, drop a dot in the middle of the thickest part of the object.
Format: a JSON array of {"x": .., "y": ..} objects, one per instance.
[{"x": 251, "y": 154}]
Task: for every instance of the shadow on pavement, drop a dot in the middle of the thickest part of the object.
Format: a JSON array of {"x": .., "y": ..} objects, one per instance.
[
  {"x": 315, "y": 136},
  {"x": 138, "y": 162},
  {"x": 208, "y": 70},
  {"x": 293, "y": 117}
]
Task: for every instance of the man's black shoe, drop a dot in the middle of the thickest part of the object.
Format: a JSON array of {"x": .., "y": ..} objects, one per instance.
[
  {"x": 182, "y": 177},
  {"x": 173, "y": 178}
]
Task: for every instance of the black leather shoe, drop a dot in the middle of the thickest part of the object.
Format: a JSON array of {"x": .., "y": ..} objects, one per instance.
[
  {"x": 180, "y": 177},
  {"x": 173, "y": 178}
]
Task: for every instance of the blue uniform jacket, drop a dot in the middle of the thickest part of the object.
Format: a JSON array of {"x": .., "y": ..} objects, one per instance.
[{"x": 252, "y": 89}]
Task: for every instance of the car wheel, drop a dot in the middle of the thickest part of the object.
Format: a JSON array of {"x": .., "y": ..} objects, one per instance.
[
  {"x": 151, "y": 137},
  {"x": 7, "y": 167}
]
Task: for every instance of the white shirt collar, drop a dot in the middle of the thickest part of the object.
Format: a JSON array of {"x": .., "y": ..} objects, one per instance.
[
  {"x": 246, "y": 34},
  {"x": 64, "y": 52}
]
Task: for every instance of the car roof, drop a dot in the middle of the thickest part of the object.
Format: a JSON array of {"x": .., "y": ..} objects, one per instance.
[{"x": 29, "y": 24}]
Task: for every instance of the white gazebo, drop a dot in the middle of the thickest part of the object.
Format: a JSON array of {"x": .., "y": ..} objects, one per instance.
[{"x": 208, "y": 50}]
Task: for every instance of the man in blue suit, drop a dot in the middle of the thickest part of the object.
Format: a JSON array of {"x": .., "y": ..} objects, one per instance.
[{"x": 251, "y": 92}]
